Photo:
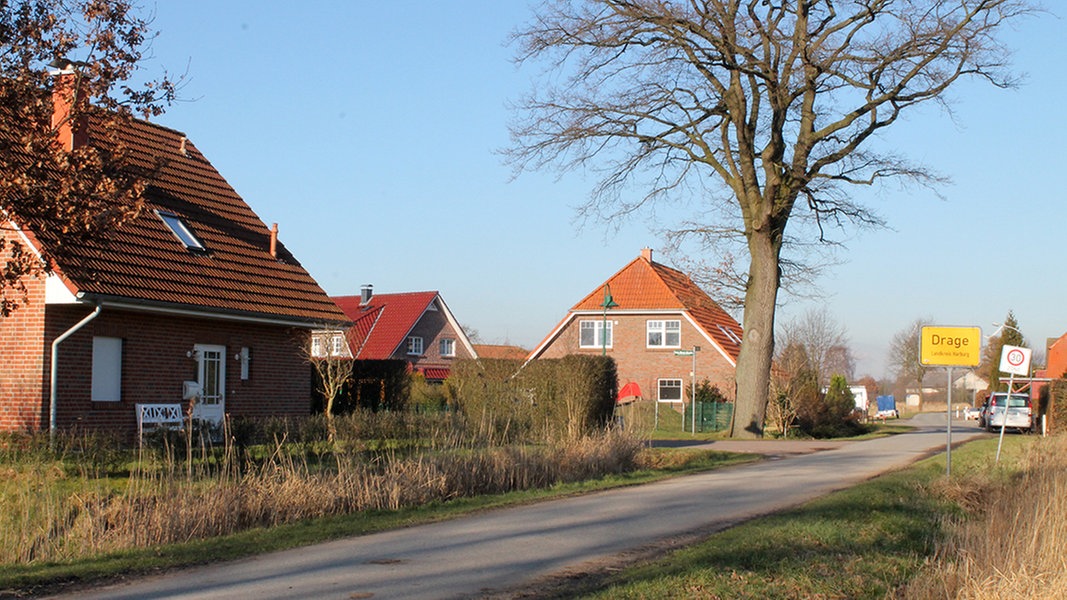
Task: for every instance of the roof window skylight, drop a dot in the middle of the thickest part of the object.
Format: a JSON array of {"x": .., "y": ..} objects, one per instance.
[
  {"x": 181, "y": 230},
  {"x": 731, "y": 334}
]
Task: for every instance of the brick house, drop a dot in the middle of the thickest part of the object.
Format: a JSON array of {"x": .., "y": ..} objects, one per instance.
[
  {"x": 196, "y": 288},
  {"x": 653, "y": 311},
  {"x": 1055, "y": 368},
  {"x": 416, "y": 327}
]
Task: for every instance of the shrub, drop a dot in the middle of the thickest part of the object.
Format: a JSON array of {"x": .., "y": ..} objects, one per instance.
[
  {"x": 830, "y": 414},
  {"x": 425, "y": 396},
  {"x": 545, "y": 399},
  {"x": 1056, "y": 405}
]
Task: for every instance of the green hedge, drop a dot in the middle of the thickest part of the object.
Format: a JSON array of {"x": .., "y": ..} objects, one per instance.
[
  {"x": 1055, "y": 405},
  {"x": 547, "y": 399},
  {"x": 375, "y": 385}
]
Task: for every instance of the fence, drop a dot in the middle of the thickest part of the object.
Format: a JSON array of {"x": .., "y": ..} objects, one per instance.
[{"x": 711, "y": 416}]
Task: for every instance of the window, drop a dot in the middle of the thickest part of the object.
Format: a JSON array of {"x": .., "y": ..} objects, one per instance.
[
  {"x": 448, "y": 347},
  {"x": 245, "y": 356},
  {"x": 670, "y": 390},
  {"x": 415, "y": 345},
  {"x": 592, "y": 334},
  {"x": 107, "y": 369},
  {"x": 337, "y": 344},
  {"x": 181, "y": 230},
  {"x": 664, "y": 334},
  {"x": 329, "y": 343}
]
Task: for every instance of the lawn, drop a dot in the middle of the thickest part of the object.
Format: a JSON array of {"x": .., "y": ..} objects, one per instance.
[
  {"x": 869, "y": 541},
  {"x": 57, "y": 480}
]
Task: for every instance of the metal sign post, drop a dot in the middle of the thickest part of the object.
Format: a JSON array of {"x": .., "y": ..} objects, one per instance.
[
  {"x": 948, "y": 413},
  {"x": 692, "y": 390},
  {"x": 693, "y": 403},
  {"x": 1014, "y": 360},
  {"x": 948, "y": 347}
]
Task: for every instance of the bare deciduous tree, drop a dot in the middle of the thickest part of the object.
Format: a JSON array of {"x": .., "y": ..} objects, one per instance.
[
  {"x": 825, "y": 344},
  {"x": 763, "y": 108},
  {"x": 328, "y": 352},
  {"x": 67, "y": 197},
  {"x": 904, "y": 355}
]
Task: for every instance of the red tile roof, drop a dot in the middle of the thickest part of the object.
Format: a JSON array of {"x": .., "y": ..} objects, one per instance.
[
  {"x": 145, "y": 263},
  {"x": 381, "y": 326},
  {"x": 647, "y": 285}
]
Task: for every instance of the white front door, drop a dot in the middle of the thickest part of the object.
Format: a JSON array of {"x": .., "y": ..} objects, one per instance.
[{"x": 211, "y": 374}]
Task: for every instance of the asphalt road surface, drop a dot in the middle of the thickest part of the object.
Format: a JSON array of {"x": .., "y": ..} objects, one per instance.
[{"x": 490, "y": 553}]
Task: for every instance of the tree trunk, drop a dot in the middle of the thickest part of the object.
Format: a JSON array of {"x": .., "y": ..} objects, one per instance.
[{"x": 753, "y": 375}]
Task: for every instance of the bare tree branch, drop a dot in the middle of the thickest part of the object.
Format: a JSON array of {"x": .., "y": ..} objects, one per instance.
[{"x": 774, "y": 102}]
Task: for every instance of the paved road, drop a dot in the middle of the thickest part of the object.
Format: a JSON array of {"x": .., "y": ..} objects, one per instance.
[{"x": 486, "y": 553}]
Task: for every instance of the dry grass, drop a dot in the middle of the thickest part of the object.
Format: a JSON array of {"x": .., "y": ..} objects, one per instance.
[
  {"x": 53, "y": 514},
  {"x": 1011, "y": 543}
]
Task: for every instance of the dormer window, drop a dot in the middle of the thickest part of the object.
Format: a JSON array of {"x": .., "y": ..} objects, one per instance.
[{"x": 181, "y": 231}]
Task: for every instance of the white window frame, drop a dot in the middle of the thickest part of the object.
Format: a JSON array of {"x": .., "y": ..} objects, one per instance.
[
  {"x": 598, "y": 328},
  {"x": 107, "y": 369},
  {"x": 664, "y": 328},
  {"x": 415, "y": 347},
  {"x": 180, "y": 230},
  {"x": 337, "y": 344},
  {"x": 329, "y": 343},
  {"x": 669, "y": 383},
  {"x": 729, "y": 333},
  {"x": 447, "y": 347}
]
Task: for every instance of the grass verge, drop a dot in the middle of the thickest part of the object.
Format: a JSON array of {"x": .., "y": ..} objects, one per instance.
[
  {"x": 47, "y": 577},
  {"x": 864, "y": 542}
]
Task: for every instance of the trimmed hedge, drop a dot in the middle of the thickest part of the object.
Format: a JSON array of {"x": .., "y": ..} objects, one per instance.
[
  {"x": 1055, "y": 405},
  {"x": 375, "y": 385},
  {"x": 547, "y": 399}
]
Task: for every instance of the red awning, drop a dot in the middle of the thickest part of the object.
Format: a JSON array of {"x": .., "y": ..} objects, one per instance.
[
  {"x": 435, "y": 373},
  {"x": 630, "y": 390}
]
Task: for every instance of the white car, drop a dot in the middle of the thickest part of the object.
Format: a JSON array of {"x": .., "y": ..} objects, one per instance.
[
  {"x": 1019, "y": 412},
  {"x": 971, "y": 413}
]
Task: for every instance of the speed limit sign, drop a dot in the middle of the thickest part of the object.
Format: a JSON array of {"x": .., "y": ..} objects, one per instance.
[{"x": 1015, "y": 360}]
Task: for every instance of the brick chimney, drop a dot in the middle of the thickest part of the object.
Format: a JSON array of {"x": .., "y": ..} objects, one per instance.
[
  {"x": 67, "y": 90},
  {"x": 646, "y": 253},
  {"x": 273, "y": 239}
]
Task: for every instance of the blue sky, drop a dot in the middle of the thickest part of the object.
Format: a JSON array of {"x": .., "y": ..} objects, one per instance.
[{"x": 369, "y": 131}]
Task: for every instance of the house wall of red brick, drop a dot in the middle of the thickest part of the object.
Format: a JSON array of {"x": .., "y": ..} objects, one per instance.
[
  {"x": 646, "y": 366},
  {"x": 155, "y": 362},
  {"x": 1057, "y": 358},
  {"x": 23, "y": 363},
  {"x": 433, "y": 327}
]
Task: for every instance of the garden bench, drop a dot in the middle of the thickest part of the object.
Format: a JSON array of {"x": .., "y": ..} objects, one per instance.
[{"x": 159, "y": 416}]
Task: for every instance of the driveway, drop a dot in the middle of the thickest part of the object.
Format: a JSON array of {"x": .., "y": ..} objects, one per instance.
[{"x": 488, "y": 553}]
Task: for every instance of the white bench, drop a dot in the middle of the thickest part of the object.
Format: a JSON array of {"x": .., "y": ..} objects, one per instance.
[{"x": 159, "y": 416}]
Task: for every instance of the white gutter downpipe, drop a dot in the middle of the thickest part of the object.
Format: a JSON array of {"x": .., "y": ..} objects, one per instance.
[{"x": 54, "y": 369}]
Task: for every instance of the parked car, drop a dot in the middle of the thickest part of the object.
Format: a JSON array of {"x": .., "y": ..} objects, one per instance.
[
  {"x": 971, "y": 412},
  {"x": 1018, "y": 413}
]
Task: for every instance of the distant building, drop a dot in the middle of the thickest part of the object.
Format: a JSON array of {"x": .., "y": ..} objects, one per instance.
[
  {"x": 416, "y": 327},
  {"x": 649, "y": 318}
]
